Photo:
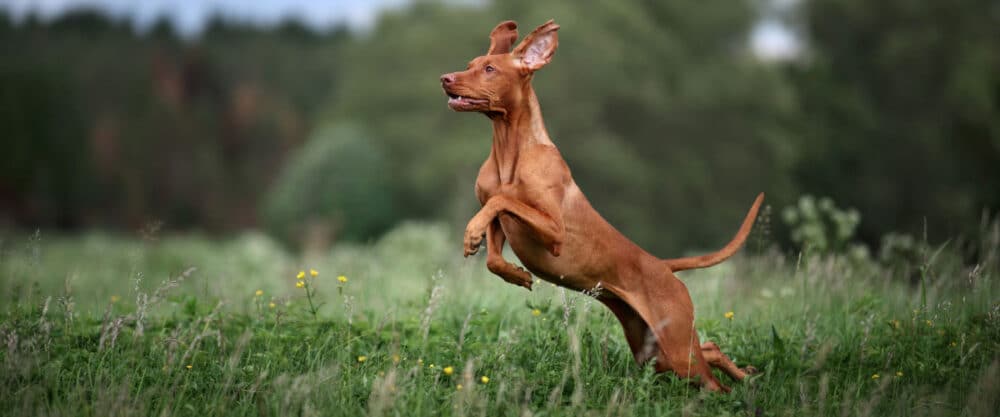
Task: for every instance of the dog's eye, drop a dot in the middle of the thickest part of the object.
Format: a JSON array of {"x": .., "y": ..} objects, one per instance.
[{"x": 489, "y": 68}]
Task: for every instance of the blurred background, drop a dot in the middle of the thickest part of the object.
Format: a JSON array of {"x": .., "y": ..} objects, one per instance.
[{"x": 321, "y": 122}]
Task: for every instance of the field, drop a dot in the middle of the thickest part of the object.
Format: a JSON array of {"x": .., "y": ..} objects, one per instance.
[{"x": 173, "y": 325}]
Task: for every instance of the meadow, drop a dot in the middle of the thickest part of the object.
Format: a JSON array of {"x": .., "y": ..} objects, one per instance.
[{"x": 98, "y": 324}]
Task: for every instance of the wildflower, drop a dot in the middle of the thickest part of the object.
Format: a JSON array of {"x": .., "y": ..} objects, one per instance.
[
  {"x": 342, "y": 279},
  {"x": 729, "y": 315},
  {"x": 536, "y": 312},
  {"x": 875, "y": 376},
  {"x": 448, "y": 370},
  {"x": 300, "y": 284},
  {"x": 458, "y": 387},
  {"x": 362, "y": 358},
  {"x": 301, "y": 275},
  {"x": 395, "y": 358},
  {"x": 899, "y": 373},
  {"x": 930, "y": 323},
  {"x": 432, "y": 366},
  {"x": 894, "y": 323},
  {"x": 313, "y": 273},
  {"x": 115, "y": 298},
  {"x": 485, "y": 379},
  {"x": 420, "y": 362},
  {"x": 189, "y": 366},
  {"x": 271, "y": 305},
  {"x": 953, "y": 344},
  {"x": 259, "y": 293}
]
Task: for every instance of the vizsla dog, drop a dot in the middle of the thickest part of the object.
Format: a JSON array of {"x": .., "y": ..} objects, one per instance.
[{"x": 530, "y": 200}]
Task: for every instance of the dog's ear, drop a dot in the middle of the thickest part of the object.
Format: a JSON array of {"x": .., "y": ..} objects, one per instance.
[
  {"x": 537, "y": 48},
  {"x": 502, "y": 38}
]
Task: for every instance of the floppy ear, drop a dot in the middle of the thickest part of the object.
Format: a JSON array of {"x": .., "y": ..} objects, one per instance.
[
  {"x": 502, "y": 38},
  {"x": 537, "y": 48}
]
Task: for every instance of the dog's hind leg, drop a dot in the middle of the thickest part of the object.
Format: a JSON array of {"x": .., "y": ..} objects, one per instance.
[
  {"x": 664, "y": 304},
  {"x": 714, "y": 356},
  {"x": 640, "y": 339}
]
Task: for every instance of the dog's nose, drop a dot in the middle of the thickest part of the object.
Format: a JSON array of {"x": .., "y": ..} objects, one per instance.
[{"x": 447, "y": 79}]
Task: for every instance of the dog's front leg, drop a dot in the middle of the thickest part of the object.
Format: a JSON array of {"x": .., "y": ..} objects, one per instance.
[
  {"x": 495, "y": 261},
  {"x": 548, "y": 228}
]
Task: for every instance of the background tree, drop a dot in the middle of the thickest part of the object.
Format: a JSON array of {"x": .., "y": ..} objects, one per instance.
[{"x": 901, "y": 111}]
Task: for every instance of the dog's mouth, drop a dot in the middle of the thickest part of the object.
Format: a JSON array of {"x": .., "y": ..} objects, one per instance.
[{"x": 457, "y": 102}]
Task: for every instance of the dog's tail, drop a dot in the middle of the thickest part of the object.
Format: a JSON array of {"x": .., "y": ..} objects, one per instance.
[{"x": 714, "y": 258}]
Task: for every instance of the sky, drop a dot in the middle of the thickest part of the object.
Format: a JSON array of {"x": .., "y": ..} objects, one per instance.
[
  {"x": 191, "y": 16},
  {"x": 770, "y": 39}
]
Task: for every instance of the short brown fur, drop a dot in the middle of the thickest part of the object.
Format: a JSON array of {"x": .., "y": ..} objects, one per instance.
[{"x": 529, "y": 200}]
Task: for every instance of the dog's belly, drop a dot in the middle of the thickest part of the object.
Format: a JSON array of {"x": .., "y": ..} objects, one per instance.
[{"x": 569, "y": 269}]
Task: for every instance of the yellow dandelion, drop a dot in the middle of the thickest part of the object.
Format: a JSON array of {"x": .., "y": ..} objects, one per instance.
[
  {"x": 313, "y": 273},
  {"x": 420, "y": 362},
  {"x": 115, "y": 298},
  {"x": 259, "y": 293},
  {"x": 953, "y": 344},
  {"x": 729, "y": 315},
  {"x": 300, "y": 284},
  {"x": 875, "y": 376},
  {"x": 485, "y": 379},
  {"x": 271, "y": 305},
  {"x": 301, "y": 275},
  {"x": 342, "y": 279},
  {"x": 899, "y": 373},
  {"x": 894, "y": 324},
  {"x": 189, "y": 366},
  {"x": 395, "y": 358},
  {"x": 536, "y": 312},
  {"x": 929, "y": 323},
  {"x": 432, "y": 366},
  {"x": 458, "y": 387},
  {"x": 448, "y": 370},
  {"x": 362, "y": 358}
]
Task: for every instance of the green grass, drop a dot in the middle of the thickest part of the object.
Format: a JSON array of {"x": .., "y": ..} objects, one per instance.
[{"x": 818, "y": 328}]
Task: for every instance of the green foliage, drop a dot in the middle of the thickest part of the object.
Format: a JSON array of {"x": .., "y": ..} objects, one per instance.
[
  {"x": 822, "y": 227},
  {"x": 208, "y": 345},
  {"x": 147, "y": 128},
  {"x": 334, "y": 182},
  {"x": 901, "y": 111}
]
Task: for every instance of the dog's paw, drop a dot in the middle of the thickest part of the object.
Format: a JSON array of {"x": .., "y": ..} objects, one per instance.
[
  {"x": 521, "y": 277},
  {"x": 511, "y": 273},
  {"x": 472, "y": 243}
]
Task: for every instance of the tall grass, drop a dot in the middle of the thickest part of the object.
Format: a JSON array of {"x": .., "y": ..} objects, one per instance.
[{"x": 100, "y": 325}]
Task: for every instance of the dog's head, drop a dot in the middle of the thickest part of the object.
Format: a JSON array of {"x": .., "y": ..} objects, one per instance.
[{"x": 495, "y": 82}]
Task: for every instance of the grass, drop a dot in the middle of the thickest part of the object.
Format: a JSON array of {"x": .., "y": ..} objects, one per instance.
[{"x": 100, "y": 325}]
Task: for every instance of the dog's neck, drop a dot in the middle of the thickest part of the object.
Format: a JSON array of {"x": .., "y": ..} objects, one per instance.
[{"x": 515, "y": 130}]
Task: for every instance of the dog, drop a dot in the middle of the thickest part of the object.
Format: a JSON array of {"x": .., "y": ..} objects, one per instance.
[{"x": 530, "y": 201}]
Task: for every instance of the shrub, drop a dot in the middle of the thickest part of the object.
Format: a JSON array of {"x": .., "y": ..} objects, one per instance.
[
  {"x": 821, "y": 227},
  {"x": 334, "y": 188}
]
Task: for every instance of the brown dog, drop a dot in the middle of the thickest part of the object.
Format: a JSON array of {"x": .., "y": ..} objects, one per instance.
[{"x": 530, "y": 199}]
